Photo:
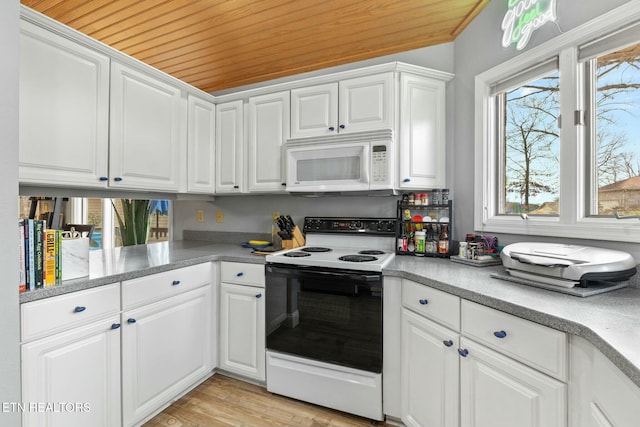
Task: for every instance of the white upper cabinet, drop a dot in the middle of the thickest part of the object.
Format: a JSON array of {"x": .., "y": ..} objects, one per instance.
[
  {"x": 64, "y": 111},
  {"x": 366, "y": 103},
  {"x": 147, "y": 131},
  {"x": 422, "y": 132},
  {"x": 352, "y": 105},
  {"x": 314, "y": 110},
  {"x": 229, "y": 147},
  {"x": 268, "y": 130},
  {"x": 201, "y": 119}
]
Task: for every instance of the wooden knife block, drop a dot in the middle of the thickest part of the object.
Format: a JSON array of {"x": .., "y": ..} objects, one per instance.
[{"x": 296, "y": 241}]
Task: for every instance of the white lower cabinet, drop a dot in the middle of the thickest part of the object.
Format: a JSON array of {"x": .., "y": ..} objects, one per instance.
[
  {"x": 430, "y": 372},
  {"x": 450, "y": 380},
  {"x": 600, "y": 395},
  {"x": 166, "y": 347},
  {"x": 242, "y": 320},
  {"x": 73, "y": 378},
  {"x": 242, "y": 334},
  {"x": 497, "y": 391},
  {"x": 71, "y": 359}
]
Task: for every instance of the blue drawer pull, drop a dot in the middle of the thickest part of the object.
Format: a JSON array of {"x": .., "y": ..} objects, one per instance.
[
  {"x": 103, "y": 178},
  {"x": 79, "y": 309},
  {"x": 448, "y": 343},
  {"x": 240, "y": 274},
  {"x": 406, "y": 180},
  {"x": 259, "y": 296},
  {"x": 424, "y": 302},
  {"x": 175, "y": 282},
  {"x": 115, "y": 325},
  {"x": 500, "y": 334},
  {"x": 463, "y": 352},
  {"x": 117, "y": 178},
  {"x": 131, "y": 320}
]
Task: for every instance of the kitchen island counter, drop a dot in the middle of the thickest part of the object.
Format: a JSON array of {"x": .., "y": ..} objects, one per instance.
[{"x": 610, "y": 321}]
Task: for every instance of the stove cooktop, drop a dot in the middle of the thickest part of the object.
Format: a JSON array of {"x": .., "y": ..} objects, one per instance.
[{"x": 337, "y": 257}]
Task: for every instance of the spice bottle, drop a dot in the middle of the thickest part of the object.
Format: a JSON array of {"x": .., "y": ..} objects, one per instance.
[{"x": 443, "y": 241}]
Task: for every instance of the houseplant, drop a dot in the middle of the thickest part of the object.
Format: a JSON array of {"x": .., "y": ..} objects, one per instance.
[{"x": 134, "y": 221}]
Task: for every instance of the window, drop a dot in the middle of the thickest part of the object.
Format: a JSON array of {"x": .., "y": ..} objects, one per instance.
[{"x": 558, "y": 135}]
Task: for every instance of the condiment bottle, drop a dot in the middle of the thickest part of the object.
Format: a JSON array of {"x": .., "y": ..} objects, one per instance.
[
  {"x": 419, "y": 239},
  {"x": 443, "y": 241}
]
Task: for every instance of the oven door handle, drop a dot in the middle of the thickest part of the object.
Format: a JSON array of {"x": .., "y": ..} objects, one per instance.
[{"x": 306, "y": 272}]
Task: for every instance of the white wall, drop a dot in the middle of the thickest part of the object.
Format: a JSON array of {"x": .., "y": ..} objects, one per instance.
[
  {"x": 9, "y": 320},
  {"x": 476, "y": 50}
]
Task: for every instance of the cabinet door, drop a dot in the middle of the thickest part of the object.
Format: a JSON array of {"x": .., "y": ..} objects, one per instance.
[
  {"x": 422, "y": 132},
  {"x": 166, "y": 347},
  {"x": 64, "y": 111},
  {"x": 430, "y": 373},
  {"x": 147, "y": 131},
  {"x": 242, "y": 334},
  {"x": 80, "y": 367},
  {"x": 268, "y": 130},
  {"x": 366, "y": 103},
  {"x": 314, "y": 111},
  {"x": 201, "y": 137},
  {"x": 498, "y": 391},
  {"x": 229, "y": 147}
]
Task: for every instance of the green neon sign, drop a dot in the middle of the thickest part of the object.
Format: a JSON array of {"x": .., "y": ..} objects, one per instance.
[{"x": 523, "y": 17}]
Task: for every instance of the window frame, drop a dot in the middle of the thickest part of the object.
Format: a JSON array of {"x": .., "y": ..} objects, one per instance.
[{"x": 573, "y": 220}]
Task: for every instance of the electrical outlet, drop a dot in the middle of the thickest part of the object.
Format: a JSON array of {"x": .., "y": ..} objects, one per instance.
[
  {"x": 200, "y": 216},
  {"x": 219, "y": 216}
]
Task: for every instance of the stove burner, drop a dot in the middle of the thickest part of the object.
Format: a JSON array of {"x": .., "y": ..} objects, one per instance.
[
  {"x": 358, "y": 258},
  {"x": 316, "y": 249},
  {"x": 371, "y": 252},
  {"x": 297, "y": 254}
]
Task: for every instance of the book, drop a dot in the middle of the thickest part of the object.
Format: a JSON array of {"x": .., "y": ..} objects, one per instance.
[
  {"x": 38, "y": 253},
  {"x": 30, "y": 256},
  {"x": 22, "y": 277},
  {"x": 49, "y": 270},
  {"x": 58, "y": 256}
]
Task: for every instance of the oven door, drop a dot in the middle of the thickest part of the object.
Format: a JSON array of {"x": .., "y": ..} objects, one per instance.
[{"x": 333, "y": 316}]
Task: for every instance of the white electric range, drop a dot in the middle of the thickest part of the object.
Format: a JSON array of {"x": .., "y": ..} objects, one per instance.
[{"x": 324, "y": 314}]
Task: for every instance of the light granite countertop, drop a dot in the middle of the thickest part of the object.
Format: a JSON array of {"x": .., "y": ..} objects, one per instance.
[{"x": 610, "y": 321}]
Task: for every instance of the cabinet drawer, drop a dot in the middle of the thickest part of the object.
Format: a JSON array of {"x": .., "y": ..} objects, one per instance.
[
  {"x": 46, "y": 316},
  {"x": 436, "y": 305},
  {"x": 163, "y": 285},
  {"x": 538, "y": 346},
  {"x": 242, "y": 273}
]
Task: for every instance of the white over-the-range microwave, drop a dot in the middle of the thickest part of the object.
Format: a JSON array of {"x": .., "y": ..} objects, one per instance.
[{"x": 362, "y": 161}]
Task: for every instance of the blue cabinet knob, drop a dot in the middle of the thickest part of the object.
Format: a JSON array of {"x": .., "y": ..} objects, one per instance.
[
  {"x": 131, "y": 320},
  {"x": 500, "y": 334},
  {"x": 448, "y": 343},
  {"x": 424, "y": 302},
  {"x": 175, "y": 282},
  {"x": 240, "y": 274},
  {"x": 341, "y": 126},
  {"x": 259, "y": 296},
  {"x": 117, "y": 178},
  {"x": 79, "y": 309},
  {"x": 103, "y": 178},
  {"x": 463, "y": 352},
  {"x": 115, "y": 325},
  {"x": 406, "y": 180},
  {"x": 332, "y": 128}
]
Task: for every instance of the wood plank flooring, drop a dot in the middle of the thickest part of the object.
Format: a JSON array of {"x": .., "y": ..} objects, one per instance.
[{"x": 224, "y": 402}]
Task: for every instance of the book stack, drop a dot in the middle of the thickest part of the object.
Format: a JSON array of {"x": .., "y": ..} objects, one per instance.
[{"x": 40, "y": 259}]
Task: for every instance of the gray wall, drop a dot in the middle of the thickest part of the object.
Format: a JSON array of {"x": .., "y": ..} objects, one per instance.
[
  {"x": 9, "y": 319},
  {"x": 478, "y": 49}
]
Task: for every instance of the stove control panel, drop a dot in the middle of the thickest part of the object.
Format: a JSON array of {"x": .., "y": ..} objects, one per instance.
[{"x": 379, "y": 226}]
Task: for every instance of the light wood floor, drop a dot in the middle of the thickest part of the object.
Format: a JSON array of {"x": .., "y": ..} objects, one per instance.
[{"x": 222, "y": 401}]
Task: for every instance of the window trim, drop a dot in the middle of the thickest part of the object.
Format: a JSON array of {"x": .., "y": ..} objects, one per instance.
[{"x": 573, "y": 221}]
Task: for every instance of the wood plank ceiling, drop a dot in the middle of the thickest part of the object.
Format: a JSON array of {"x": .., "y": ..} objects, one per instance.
[{"x": 221, "y": 44}]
